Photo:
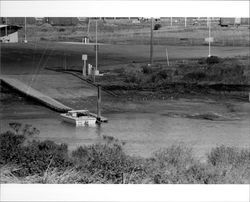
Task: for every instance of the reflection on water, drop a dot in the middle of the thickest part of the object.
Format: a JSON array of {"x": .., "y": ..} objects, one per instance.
[{"x": 143, "y": 133}]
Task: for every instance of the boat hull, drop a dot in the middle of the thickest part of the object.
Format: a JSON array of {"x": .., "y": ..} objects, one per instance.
[{"x": 83, "y": 121}]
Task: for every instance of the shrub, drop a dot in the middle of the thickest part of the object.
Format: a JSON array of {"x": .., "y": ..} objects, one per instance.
[
  {"x": 157, "y": 26},
  {"x": 212, "y": 60},
  {"x": 163, "y": 74},
  {"x": 43, "y": 39},
  {"x": 61, "y": 30},
  {"x": 147, "y": 69},
  {"x": 15, "y": 126},
  {"x": 37, "y": 157},
  {"x": 176, "y": 155},
  {"x": 202, "y": 61},
  {"x": 33, "y": 157},
  {"x": 10, "y": 147},
  {"x": 133, "y": 76},
  {"x": 169, "y": 165},
  {"x": 158, "y": 77},
  {"x": 105, "y": 161},
  {"x": 204, "y": 174},
  {"x": 228, "y": 156},
  {"x": 26, "y": 130},
  {"x": 194, "y": 76},
  {"x": 229, "y": 72}
]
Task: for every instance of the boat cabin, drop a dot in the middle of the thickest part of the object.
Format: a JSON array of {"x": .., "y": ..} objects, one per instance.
[{"x": 78, "y": 113}]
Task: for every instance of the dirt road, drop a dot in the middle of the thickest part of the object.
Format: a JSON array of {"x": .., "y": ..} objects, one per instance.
[{"x": 32, "y": 58}]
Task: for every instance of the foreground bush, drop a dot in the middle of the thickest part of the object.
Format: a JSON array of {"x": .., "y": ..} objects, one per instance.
[
  {"x": 229, "y": 156},
  {"x": 177, "y": 165},
  {"x": 32, "y": 157},
  {"x": 35, "y": 161},
  {"x": 106, "y": 161}
]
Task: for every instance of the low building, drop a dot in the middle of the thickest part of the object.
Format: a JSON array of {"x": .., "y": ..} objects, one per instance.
[
  {"x": 9, "y": 33},
  {"x": 226, "y": 22}
]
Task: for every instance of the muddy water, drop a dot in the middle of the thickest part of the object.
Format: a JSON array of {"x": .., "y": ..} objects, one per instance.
[{"x": 143, "y": 133}]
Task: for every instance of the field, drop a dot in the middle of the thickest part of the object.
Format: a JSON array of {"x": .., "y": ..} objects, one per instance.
[{"x": 116, "y": 32}]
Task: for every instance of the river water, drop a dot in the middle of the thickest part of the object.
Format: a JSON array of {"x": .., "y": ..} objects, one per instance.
[{"x": 143, "y": 133}]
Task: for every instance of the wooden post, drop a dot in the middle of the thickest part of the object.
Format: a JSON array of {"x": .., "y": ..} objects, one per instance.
[
  {"x": 25, "y": 30},
  {"x": 84, "y": 68},
  {"x": 98, "y": 104},
  {"x": 65, "y": 61}
]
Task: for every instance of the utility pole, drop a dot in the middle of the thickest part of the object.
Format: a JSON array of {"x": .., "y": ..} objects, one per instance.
[
  {"x": 151, "y": 42},
  {"x": 209, "y": 37},
  {"x": 6, "y": 31},
  {"x": 88, "y": 27},
  {"x": 96, "y": 51}
]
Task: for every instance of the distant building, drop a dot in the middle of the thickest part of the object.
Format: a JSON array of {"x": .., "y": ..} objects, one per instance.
[
  {"x": 225, "y": 22},
  {"x": 9, "y": 33},
  {"x": 83, "y": 19},
  {"x": 20, "y": 21},
  {"x": 39, "y": 20}
]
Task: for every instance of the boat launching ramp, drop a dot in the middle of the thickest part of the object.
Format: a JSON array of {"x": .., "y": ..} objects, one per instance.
[{"x": 30, "y": 92}]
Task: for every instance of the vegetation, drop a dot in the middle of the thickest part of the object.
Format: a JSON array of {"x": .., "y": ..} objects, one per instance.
[
  {"x": 24, "y": 160},
  {"x": 31, "y": 156},
  {"x": 194, "y": 76}
]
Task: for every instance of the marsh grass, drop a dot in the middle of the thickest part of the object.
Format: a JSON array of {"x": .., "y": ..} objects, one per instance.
[{"x": 216, "y": 75}]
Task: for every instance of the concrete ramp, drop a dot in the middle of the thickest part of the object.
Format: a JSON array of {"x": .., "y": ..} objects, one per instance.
[{"x": 30, "y": 92}]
